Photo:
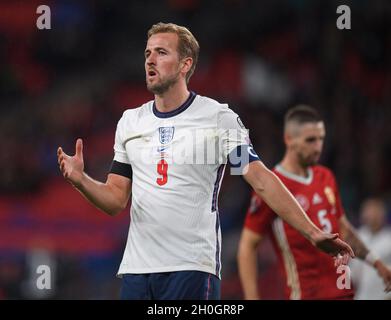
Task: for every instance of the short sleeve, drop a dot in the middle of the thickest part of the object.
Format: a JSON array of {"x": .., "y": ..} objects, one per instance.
[
  {"x": 120, "y": 154},
  {"x": 259, "y": 216},
  {"x": 232, "y": 133},
  {"x": 234, "y": 142}
]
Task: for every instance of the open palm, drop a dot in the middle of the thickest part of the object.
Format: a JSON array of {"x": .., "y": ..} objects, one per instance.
[{"x": 72, "y": 166}]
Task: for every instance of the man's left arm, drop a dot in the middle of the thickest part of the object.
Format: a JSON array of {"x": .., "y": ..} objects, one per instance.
[{"x": 349, "y": 234}]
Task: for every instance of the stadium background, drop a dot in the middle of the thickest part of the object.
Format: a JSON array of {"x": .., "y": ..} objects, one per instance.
[{"x": 76, "y": 79}]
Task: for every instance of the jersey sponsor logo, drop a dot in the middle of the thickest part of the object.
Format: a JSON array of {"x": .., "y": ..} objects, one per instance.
[
  {"x": 330, "y": 195},
  {"x": 166, "y": 134},
  {"x": 303, "y": 201},
  {"x": 316, "y": 199}
]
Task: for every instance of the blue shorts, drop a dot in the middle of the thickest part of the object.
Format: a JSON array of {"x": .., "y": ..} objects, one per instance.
[{"x": 178, "y": 285}]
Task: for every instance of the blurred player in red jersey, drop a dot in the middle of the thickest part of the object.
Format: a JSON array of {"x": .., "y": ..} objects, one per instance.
[{"x": 309, "y": 273}]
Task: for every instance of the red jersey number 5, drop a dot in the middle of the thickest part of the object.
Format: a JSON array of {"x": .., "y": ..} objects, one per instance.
[
  {"x": 324, "y": 221},
  {"x": 162, "y": 167}
]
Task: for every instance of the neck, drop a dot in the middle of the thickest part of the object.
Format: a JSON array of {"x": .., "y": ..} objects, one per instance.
[
  {"x": 375, "y": 228},
  {"x": 291, "y": 165},
  {"x": 172, "y": 98}
]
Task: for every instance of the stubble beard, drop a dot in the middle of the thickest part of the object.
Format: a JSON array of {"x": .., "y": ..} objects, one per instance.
[
  {"x": 164, "y": 85},
  {"x": 306, "y": 162}
]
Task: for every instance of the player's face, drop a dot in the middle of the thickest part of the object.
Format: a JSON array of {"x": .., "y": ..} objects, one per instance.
[
  {"x": 162, "y": 64},
  {"x": 373, "y": 214},
  {"x": 308, "y": 143}
]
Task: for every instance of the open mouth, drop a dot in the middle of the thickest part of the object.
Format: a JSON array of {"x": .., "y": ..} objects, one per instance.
[{"x": 151, "y": 73}]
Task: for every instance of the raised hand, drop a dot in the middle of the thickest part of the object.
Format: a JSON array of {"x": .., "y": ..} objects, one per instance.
[
  {"x": 72, "y": 167},
  {"x": 332, "y": 245}
]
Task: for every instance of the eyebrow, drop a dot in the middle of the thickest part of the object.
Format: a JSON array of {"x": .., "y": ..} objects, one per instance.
[
  {"x": 311, "y": 138},
  {"x": 155, "y": 49}
]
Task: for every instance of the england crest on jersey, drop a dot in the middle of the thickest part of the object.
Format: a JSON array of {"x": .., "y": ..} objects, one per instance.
[{"x": 166, "y": 134}]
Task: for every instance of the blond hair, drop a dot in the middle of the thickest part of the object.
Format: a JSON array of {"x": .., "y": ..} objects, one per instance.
[{"x": 187, "y": 43}]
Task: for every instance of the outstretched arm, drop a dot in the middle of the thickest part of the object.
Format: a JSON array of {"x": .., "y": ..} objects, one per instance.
[
  {"x": 247, "y": 263},
  {"x": 349, "y": 234},
  {"x": 269, "y": 187},
  {"x": 111, "y": 197}
]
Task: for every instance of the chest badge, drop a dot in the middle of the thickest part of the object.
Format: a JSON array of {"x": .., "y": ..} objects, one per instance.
[
  {"x": 303, "y": 201},
  {"x": 166, "y": 134},
  {"x": 330, "y": 195}
]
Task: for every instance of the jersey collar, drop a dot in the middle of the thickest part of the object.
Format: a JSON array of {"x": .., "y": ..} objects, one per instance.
[
  {"x": 296, "y": 177},
  {"x": 176, "y": 111}
]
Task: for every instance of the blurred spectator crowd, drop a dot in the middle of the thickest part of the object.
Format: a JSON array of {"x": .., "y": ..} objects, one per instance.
[{"x": 261, "y": 57}]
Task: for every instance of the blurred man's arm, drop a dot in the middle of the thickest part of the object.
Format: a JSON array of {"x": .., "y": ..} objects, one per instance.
[
  {"x": 111, "y": 197},
  {"x": 349, "y": 234},
  {"x": 269, "y": 187},
  {"x": 247, "y": 263}
]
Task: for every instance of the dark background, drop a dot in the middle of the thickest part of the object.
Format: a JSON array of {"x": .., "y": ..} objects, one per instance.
[{"x": 76, "y": 80}]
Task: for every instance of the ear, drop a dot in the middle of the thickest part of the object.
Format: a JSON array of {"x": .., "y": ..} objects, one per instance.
[
  {"x": 186, "y": 64},
  {"x": 287, "y": 139}
]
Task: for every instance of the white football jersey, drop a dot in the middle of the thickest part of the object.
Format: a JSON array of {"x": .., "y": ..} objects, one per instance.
[{"x": 178, "y": 160}]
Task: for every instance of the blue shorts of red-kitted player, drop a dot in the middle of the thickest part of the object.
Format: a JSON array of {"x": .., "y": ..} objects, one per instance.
[{"x": 178, "y": 285}]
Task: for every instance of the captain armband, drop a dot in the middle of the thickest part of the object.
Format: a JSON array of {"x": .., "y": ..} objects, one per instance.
[
  {"x": 240, "y": 157},
  {"x": 122, "y": 169}
]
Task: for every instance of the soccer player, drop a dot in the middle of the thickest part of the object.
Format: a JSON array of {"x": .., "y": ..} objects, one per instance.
[
  {"x": 162, "y": 157},
  {"x": 308, "y": 273},
  {"x": 376, "y": 234}
]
